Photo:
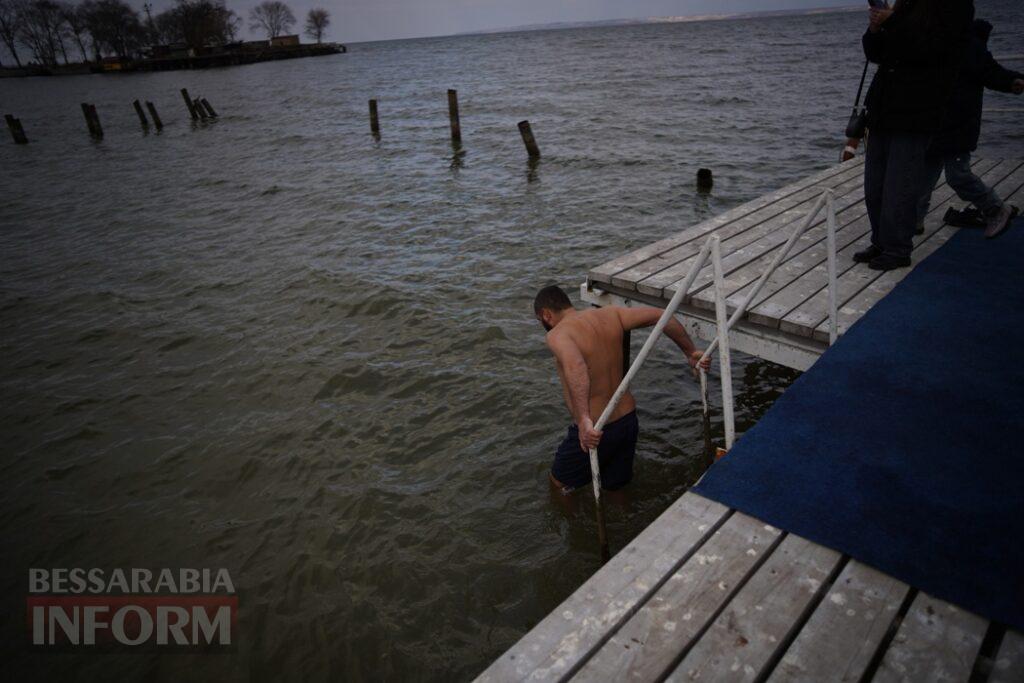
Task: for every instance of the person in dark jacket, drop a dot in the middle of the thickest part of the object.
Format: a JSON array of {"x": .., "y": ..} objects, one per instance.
[
  {"x": 917, "y": 46},
  {"x": 951, "y": 149}
]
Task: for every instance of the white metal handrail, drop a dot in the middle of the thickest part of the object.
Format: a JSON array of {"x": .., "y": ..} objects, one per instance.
[{"x": 712, "y": 249}]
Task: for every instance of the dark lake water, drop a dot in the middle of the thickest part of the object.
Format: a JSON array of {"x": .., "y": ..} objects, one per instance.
[{"x": 274, "y": 345}]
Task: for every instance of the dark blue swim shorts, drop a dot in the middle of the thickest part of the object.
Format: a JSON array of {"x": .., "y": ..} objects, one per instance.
[{"x": 614, "y": 455}]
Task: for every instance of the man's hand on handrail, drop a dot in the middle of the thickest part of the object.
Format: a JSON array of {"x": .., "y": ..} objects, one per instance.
[
  {"x": 589, "y": 437},
  {"x": 695, "y": 357}
]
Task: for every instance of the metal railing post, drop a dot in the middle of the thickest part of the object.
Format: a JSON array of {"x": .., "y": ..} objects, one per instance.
[
  {"x": 833, "y": 313},
  {"x": 677, "y": 299},
  {"x": 724, "y": 360},
  {"x": 782, "y": 254}
]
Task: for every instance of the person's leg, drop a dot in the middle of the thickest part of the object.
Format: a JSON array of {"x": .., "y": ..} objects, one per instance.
[
  {"x": 904, "y": 178},
  {"x": 933, "y": 171},
  {"x": 571, "y": 468},
  {"x": 970, "y": 187},
  {"x": 617, "y": 452},
  {"x": 875, "y": 164}
]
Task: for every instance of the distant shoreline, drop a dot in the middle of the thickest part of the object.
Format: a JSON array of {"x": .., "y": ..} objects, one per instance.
[
  {"x": 204, "y": 59},
  {"x": 683, "y": 19}
]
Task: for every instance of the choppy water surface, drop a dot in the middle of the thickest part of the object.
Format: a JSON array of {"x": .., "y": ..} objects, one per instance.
[{"x": 274, "y": 345}]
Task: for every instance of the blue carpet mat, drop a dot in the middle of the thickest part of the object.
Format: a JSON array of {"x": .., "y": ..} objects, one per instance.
[{"x": 902, "y": 446}]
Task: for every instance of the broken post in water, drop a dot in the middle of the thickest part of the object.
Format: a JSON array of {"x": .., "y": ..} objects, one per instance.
[
  {"x": 188, "y": 103},
  {"x": 17, "y": 132},
  {"x": 88, "y": 119},
  {"x": 705, "y": 180},
  {"x": 198, "y": 107},
  {"x": 96, "y": 121},
  {"x": 374, "y": 121},
  {"x": 453, "y": 116},
  {"x": 141, "y": 114},
  {"x": 209, "y": 109},
  {"x": 92, "y": 120},
  {"x": 531, "y": 142},
  {"x": 153, "y": 115}
]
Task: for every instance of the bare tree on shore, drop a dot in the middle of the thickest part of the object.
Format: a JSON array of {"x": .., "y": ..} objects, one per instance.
[
  {"x": 42, "y": 30},
  {"x": 317, "y": 22},
  {"x": 198, "y": 23},
  {"x": 74, "y": 21},
  {"x": 271, "y": 16},
  {"x": 114, "y": 27},
  {"x": 11, "y": 20}
]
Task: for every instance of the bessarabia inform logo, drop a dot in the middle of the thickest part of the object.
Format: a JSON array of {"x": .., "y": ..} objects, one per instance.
[{"x": 131, "y": 607}]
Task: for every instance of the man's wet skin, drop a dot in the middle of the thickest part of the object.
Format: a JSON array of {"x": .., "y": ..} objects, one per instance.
[{"x": 588, "y": 351}]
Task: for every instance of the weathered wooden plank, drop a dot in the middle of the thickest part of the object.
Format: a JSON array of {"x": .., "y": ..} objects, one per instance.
[
  {"x": 803, "y": 275},
  {"x": 754, "y": 259},
  {"x": 854, "y": 277},
  {"x": 843, "y": 634},
  {"x": 743, "y": 641},
  {"x": 646, "y": 646},
  {"x": 1009, "y": 664},
  {"x": 672, "y": 270},
  {"x": 745, "y": 228},
  {"x": 741, "y": 231},
  {"x": 566, "y": 637},
  {"x": 604, "y": 272},
  {"x": 853, "y": 309},
  {"x": 936, "y": 642}
]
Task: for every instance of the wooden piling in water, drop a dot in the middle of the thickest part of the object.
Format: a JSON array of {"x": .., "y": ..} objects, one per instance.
[
  {"x": 92, "y": 120},
  {"x": 96, "y": 121},
  {"x": 374, "y": 120},
  {"x": 453, "y": 116},
  {"x": 209, "y": 109},
  {"x": 141, "y": 114},
  {"x": 531, "y": 142},
  {"x": 705, "y": 181},
  {"x": 153, "y": 115},
  {"x": 17, "y": 132},
  {"x": 188, "y": 103},
  {"x": 198, "y": 107},
  {"x": 88, "y": 119}
]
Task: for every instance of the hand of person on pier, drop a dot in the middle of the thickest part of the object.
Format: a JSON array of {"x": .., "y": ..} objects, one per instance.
[
  {"x": 694, "y": 358},
  {"x": 877, "y": 17},
  {"x": 1018, "y": 86},
  {"x": 589, "y": 437}
]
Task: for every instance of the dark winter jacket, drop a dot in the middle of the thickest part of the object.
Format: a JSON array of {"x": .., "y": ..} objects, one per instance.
[
  {"x": 917, "y": 65},
  {"x": 978, "y": 70}
]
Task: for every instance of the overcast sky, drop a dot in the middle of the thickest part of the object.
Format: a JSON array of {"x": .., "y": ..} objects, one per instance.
[{"x": 362, "y": 20}]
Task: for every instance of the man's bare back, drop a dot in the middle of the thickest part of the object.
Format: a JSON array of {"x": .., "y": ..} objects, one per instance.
[{"x": 597, "y": 333}]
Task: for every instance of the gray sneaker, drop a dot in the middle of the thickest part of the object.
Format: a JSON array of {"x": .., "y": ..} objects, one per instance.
[{"x": 999, "y": 220}]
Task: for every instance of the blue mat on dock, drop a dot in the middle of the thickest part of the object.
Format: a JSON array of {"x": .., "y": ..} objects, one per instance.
[{"x": 902, "y": 446}]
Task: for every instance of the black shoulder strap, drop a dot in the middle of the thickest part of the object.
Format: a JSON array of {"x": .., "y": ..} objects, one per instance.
[{"x": 860, "y": 90}]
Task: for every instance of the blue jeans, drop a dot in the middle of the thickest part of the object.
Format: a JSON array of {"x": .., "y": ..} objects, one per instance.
[
  {"x": 894, "y": 177},
  {"x": 967, "y": 186}
]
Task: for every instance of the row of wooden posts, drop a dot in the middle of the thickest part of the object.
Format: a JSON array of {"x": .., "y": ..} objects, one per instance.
[
  {"x": 453, "y": 118},
  {"x": 199, "y": 109}
]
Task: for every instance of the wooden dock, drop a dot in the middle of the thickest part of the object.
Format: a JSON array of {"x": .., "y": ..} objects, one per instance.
[
  {"x": 708, "y": 593},
  {"x": 788, "y": 321}
]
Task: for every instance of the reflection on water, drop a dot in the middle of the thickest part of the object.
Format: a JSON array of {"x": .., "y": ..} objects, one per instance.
[{"x": 272, "y": 343}]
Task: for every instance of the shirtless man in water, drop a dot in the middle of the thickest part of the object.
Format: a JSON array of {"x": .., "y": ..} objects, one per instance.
[{"x": 588, "y": 352}]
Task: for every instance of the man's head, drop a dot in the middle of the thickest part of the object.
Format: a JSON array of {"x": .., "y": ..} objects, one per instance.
[{"x": 550, "y": 306}]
